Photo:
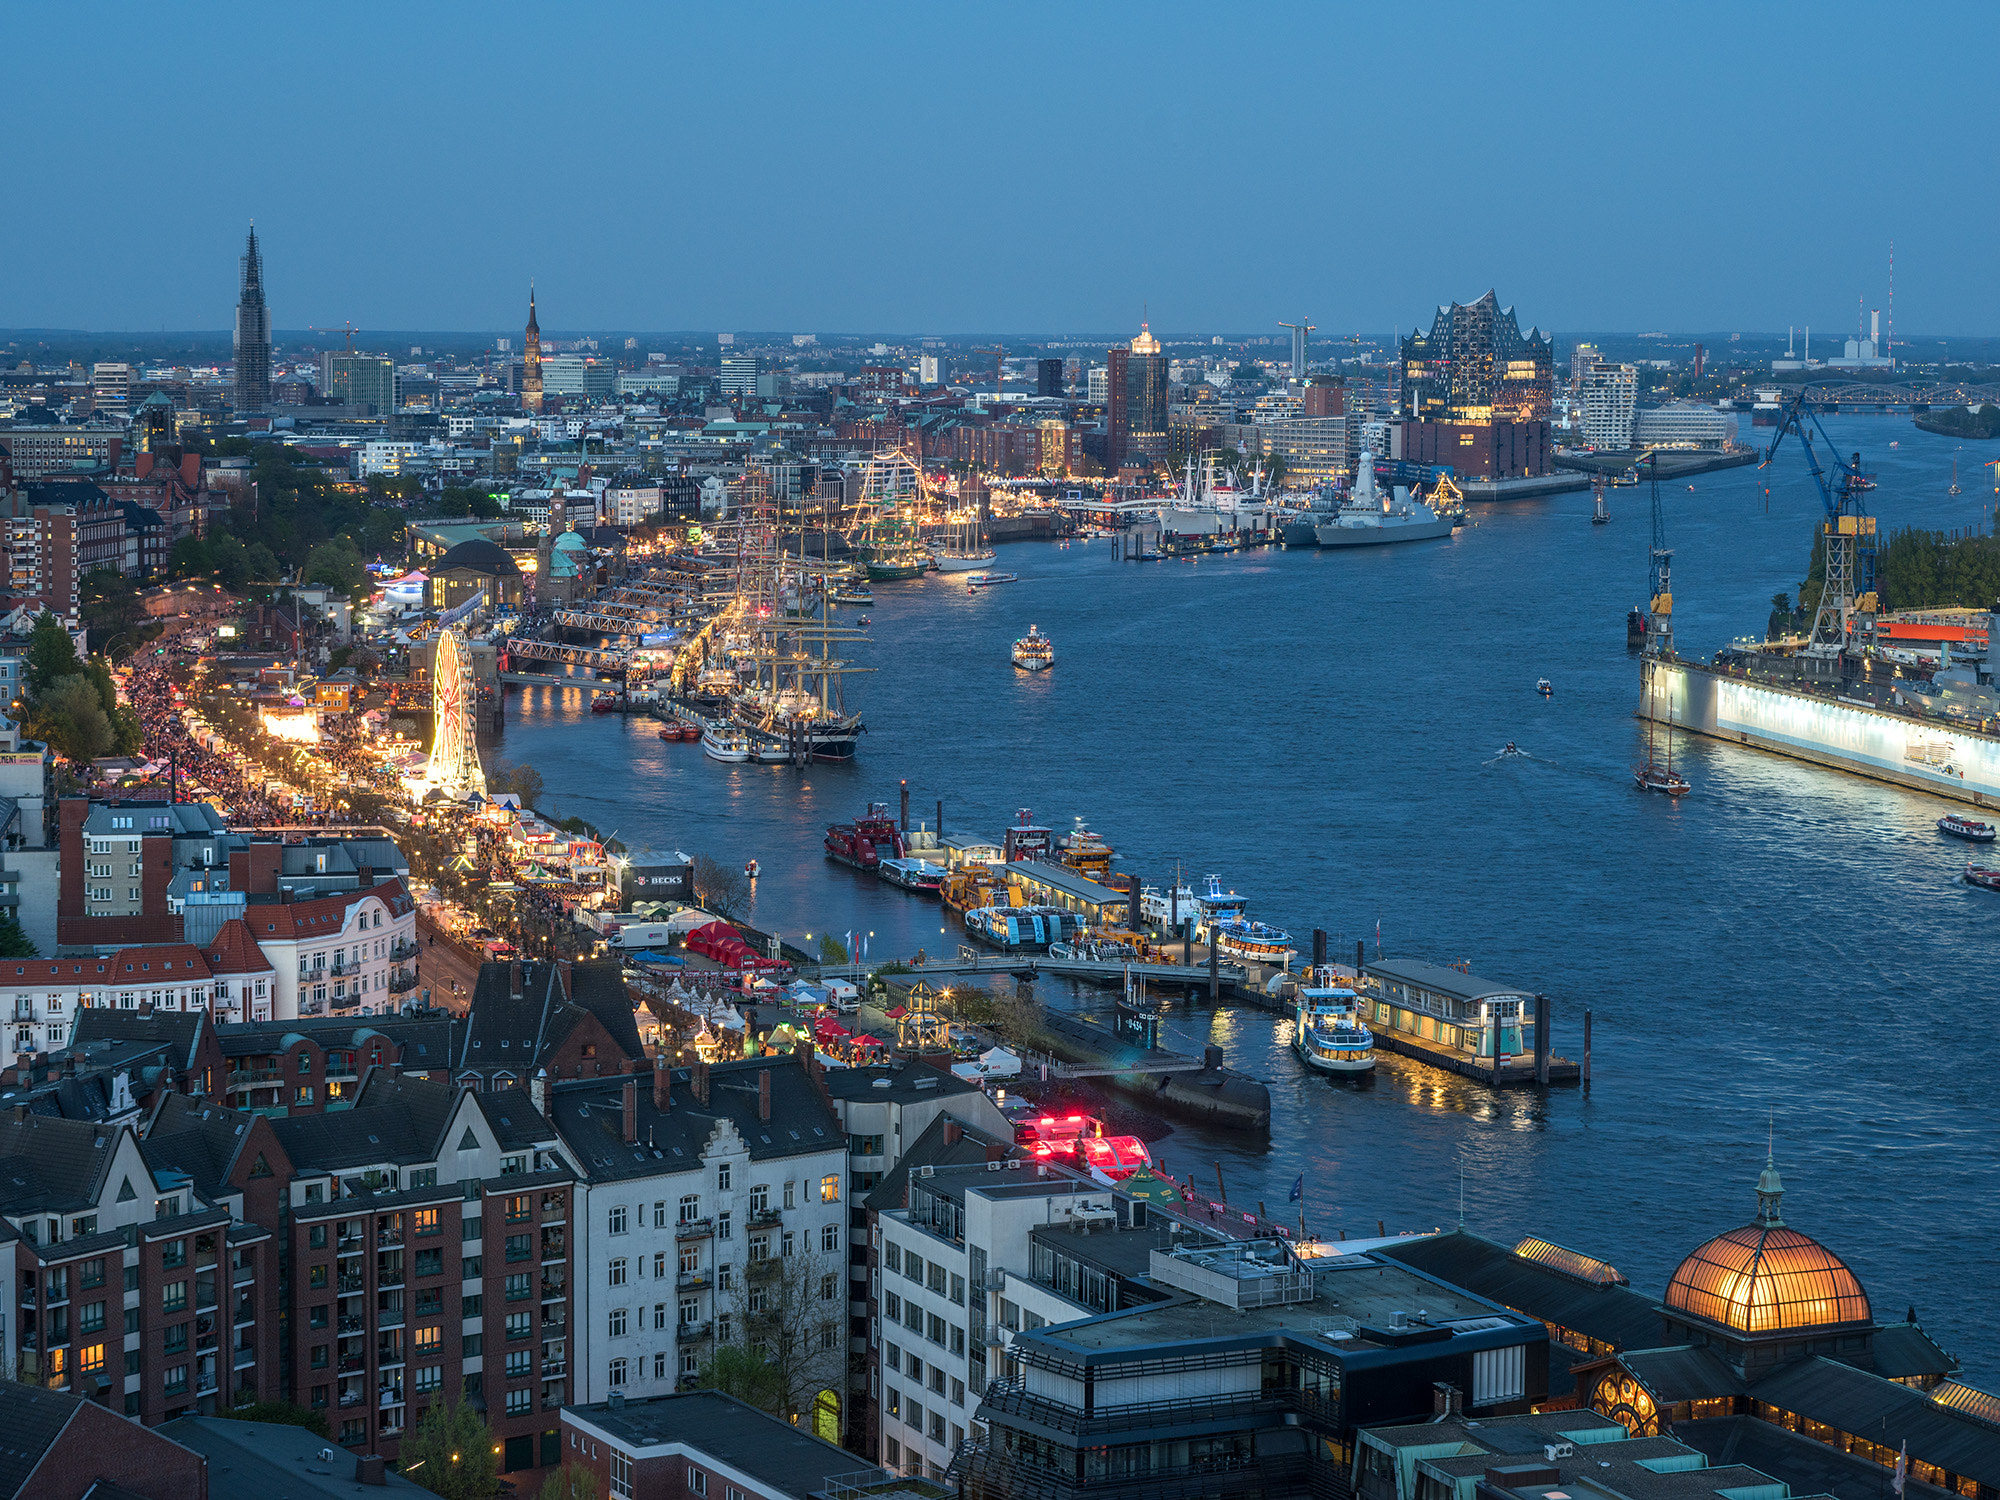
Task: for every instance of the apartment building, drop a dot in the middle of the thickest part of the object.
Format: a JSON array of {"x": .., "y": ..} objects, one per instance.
[
  {"x": 310, "y": 1065},
  {"x": 421, "y": 1223},
  {"x": 1606, "y": 394},
  {"x": 713, "y": 1211},
  {"x": 139, "y": 1283}
]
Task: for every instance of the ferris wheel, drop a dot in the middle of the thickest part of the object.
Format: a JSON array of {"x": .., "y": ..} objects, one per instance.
[{"x": 454, "y": 765}]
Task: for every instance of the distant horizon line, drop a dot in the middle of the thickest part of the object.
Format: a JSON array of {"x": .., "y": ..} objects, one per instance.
[{"x": 772, "y": 335}]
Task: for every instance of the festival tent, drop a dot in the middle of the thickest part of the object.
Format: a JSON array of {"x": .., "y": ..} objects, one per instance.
[
  {"x": 1147, "y": 1187},
  {"x": 996, "y": 1062}
]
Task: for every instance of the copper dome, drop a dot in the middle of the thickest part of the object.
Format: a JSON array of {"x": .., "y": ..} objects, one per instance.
[{"x": 1765, "y": 1278}]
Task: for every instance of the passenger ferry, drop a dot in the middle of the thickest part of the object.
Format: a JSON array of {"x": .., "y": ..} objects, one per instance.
[
  {"x": 1015, "y": 928},
  {"x": 987, "y": 580},
  {"x": 1034, "y": 652},
  {"x": 721, "y": 742},
  {"x": 1328, "y": 1034},
  {"x": 1253, "y": 942},
  {"x": 1960, "y": 827},
  {"x": 912, "y": 874}
]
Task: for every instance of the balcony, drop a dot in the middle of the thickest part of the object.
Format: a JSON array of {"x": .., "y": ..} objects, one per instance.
[
  {"x": 348, "y": 1244},
  {"x": 694, "y": 1229},
  {"x": 388, "y": 1356},
  {"x": 352, "y": 1364},
  {"x": 402, "y": 981},
  {"x": 689, "y": 1333},
  {"x": 244, "y": 1359},
  {"x": 551, "y": 1367},
  {"x": 243, "y": 1078},
  {"x": 389, "y": 1318},
  {"x": 553, "y": 1248},
  {"x": 243, "y": 1276},
  {"x": 996, "y": 1281},
  {"x": 766, "y": 1269},
  {"x": 349, "y": 1323},
  {"x": 764, "y": 1218},
  {"x": 554, "y": 1288},
  {"x": 402, "y": 949},
  {"x": 387, "y": 1237},
  {"x": 349, "y": 1285}
]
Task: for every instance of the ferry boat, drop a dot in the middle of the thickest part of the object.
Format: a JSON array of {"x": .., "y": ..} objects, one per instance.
[
  {"x": 1014, "y": 928},
  {"x": 1979, "y": 875},
  {"x": 987, "y": 580},
  {"x": 1253, "y": 942},
  {"x": 1328, "y": 1033},
  {"x": 867, "y": 841},
  {"x": 722, "y": 742},
  {"x": 1169, "y": 908},
  {"x": 1545, "y": 687},
  {"x": 1026, "y": 840},
  {"x": 1085, "y": 852},
  {"x": 912, "y": 874},
  {"x": 1960, "y": 827},
  {"x": 1034, "y": 652},
  {"x": 970, "y": 886}
]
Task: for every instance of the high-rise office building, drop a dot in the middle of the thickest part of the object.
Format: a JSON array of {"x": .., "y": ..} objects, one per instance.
[
  {"x": 930, "y": 369},
  {"x": 1048, "y": 377},
  {"x": 111, "y": 388},
  {"x": 739, "y": 374},
  {"x": 1145, "y": 406},
  {"x": 531, "y": 373},
  {"x": 1475, "y": 365},
  {"x": 253, "y": 333},
  {"x": 1117, "y": 426},
  {"x": 364, "y": 380}
]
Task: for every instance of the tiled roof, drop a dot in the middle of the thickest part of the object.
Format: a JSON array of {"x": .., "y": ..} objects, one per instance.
[
  {"x": 234, "y": 951},
  {"x": 320, "y": 916},
  {"x": 53, "y": 1166},
  {"x": 589, "y": 1115},
  {"x": 171, "y": 963},
  {"x": 32, "y": 1419},
  {"x": 181, "y": 1030},
  {"x": 198, "y": 1138}
]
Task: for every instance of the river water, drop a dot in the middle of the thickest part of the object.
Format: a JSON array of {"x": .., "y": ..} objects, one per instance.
[{"x": 1786, "y": 954}]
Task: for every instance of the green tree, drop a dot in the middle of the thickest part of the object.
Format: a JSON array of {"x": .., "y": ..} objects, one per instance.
[
  {"x": 13, "y": 941},
  {"x": 51, "y": 654},
  {"x": 570, "y": 1482},
  {"x": 720, "y": 888},
  {"x": 451, "y": 1453},
  {"x": 337, "y": 565},
  {"x": 263, "y": 563},
  {"x": 71, "y": 717},
  {"x": 188, "y": 559},
  {"x": 832, "y": 951},
  {"x": 127, "y": 735},
  {"x": 280, "y": 1413},
  {"x": 524, "y": 781},
  {"x": 791, "y": 1314}
]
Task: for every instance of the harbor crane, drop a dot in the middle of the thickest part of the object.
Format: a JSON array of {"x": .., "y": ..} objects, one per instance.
[{"x": 1847, "y": 535}]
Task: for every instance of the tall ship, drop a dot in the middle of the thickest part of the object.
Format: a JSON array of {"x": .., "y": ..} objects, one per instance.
[
  {"x": 963, "y": 548},
  {"x": 888, "y": 539},
  {"x": 1838, "y": 698},
  {"x": 1328, "y": 1033},
  {"x": 1372, "y": 517}
]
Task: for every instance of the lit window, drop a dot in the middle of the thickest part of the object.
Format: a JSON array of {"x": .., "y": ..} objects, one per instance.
[{"x": 829, "y": 1188}]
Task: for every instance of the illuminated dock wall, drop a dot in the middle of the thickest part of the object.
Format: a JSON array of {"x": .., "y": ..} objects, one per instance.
[{"x": 1928, "y": 756}]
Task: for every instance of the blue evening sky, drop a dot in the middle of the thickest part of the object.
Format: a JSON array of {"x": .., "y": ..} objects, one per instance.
[{"x": 947, "y": 168}]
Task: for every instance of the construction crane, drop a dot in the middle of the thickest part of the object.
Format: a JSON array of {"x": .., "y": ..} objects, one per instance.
[
  {"x": 1847, "y": 535},
  {"x": 1659, "y": 579}
]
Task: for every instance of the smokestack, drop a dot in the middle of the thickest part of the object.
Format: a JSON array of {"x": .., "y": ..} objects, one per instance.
[
  {"x": 906, "y": 808},
  {"x": 663, "y": 1084},
  {"x": 370, "y": 1468},
  {"x": 764, "y": 1095},
  {"x": 538, "y": 1091},
  {"x": 953, "y": 1131},
  {"x": 940, "y": 821},
  {"x": 514, "y": 978},
  {"x": 1319, "y": 947},
  {"x": 632, "y": 1112},
  {"x": 628, "y": 1065},
  {"x": 700, "y": 1079}
]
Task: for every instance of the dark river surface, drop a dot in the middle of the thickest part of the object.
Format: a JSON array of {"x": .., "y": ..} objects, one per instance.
[{"x": 1787, "y": 951}]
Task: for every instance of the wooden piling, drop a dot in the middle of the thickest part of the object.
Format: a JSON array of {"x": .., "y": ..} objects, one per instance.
[
  {"x": 1586, "y": 1049},
  {"x": 1214, "y": 972},
  {"x": 1542, "y": 1040}
]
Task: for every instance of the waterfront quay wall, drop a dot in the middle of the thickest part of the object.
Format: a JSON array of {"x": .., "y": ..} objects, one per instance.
[{"x": 1924, "y": 755}]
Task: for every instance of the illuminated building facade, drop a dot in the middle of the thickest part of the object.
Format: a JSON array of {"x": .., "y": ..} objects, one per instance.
[
  {"x": 1145, "y": 399},
  {"x": 1475, "y": 365},
  {"x": 253, "y": 333}
]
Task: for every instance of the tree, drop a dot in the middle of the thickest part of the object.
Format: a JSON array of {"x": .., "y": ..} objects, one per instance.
[
  {"x": 570, "y": 1482},
  {"x": 720, "y": 888},
  {"x": 71, "y": 717},
  {"x": 524, "y": 781},
  {"x": 14, "y": 942},
  {"x": 832, "y": 951},
  {"x": 451, "y": 1453},
  {"x": 791, "y": 1315},
  {"x": 336, "y": 565},
  {"x": 51, "y": 654},
  {"x": 283, "y": 1414}
]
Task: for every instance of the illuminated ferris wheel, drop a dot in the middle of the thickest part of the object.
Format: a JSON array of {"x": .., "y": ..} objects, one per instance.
[{"x": 454, "y": 766}]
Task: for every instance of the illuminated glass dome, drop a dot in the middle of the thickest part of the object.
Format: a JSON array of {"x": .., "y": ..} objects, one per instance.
[{"x": 1765, "y": 1278}]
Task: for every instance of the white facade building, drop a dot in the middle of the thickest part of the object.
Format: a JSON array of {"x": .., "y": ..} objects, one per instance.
[
  {"x": 728, "y": 1196},
  {"x": 1683, "y": 424},
  {"x": 1606, "y": 393}
]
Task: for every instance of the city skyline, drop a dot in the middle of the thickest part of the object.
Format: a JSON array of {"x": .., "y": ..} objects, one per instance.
[{"x": 1685, "y": 202}]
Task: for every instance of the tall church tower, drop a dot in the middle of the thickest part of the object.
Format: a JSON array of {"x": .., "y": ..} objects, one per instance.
[
  {"x": 531, "y": 376},
  {"x": 253, "y": 333}
]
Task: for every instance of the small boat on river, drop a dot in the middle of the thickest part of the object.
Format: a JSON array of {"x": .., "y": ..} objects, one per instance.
[{"x": 1970, "y": 829}]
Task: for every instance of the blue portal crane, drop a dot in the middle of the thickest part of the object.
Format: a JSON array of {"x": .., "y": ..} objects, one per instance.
[{"x": 1847, "y": 535}]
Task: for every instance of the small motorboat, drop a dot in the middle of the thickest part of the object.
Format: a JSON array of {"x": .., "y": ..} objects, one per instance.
[
  {"x": 1980, "y": 875},
  {"x": 866, "y": 620},
  {"x": 1510, "y": 748},
  {"x": 987, "y": 580},
  {"x": 1545, "y": 688},
  {"x": 1971, "y": 829},
  {"x": 750, "y": 869}
]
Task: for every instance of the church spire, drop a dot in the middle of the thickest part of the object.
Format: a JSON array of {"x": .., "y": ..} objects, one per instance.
[
  {"x": 531, "y": 359},
  {"x": 1770, "y": 1188}
]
